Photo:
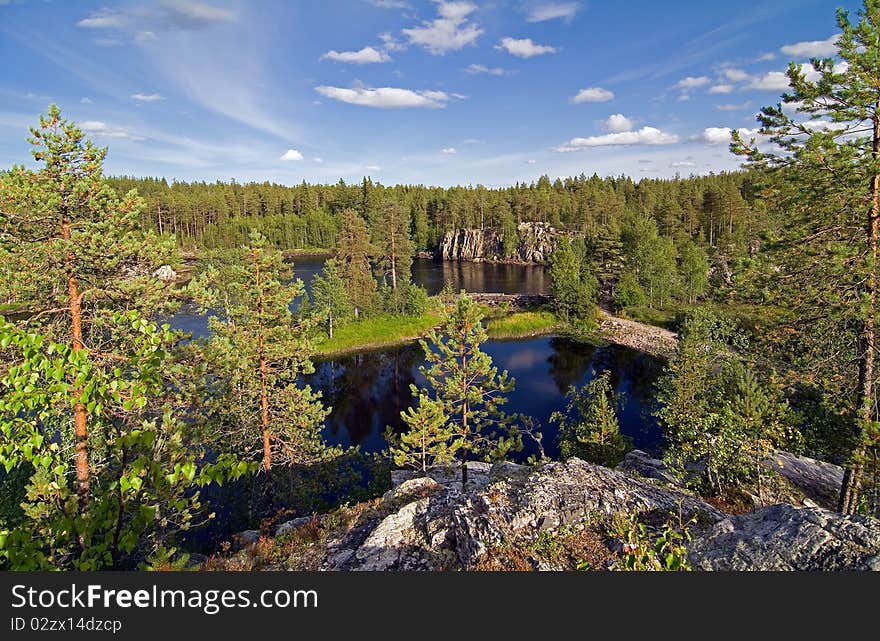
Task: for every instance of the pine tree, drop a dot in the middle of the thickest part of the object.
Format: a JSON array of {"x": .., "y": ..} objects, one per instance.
[
  {"x": 827, "y": 180},
  {"x": 354, "y": 252},
  {"x": 85, "y": 375},
  {"x": 330, "y": 297},
  {"x": 428, "y": 439},
  {"x": 394, "y": 244},
  {"x": 573, "y": 284},
  {"x": 694, "y": 269},
  {"x": 468, "y": 387},
  {"x": 257, "y": 351},
  {"x": 588, "y": 429}
]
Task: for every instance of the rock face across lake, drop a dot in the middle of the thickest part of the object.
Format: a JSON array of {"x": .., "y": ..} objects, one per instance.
[{"x": 535, "y": 243}]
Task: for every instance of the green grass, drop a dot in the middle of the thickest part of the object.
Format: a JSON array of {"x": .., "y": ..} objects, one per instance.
[
  {"x": 377, "y": 331},
  {"x": 521, "y": 324},
  {"x": 665, "y": 318}
]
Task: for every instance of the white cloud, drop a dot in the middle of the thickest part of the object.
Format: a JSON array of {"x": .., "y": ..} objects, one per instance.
[
  {"x": 733, "y": 107},
  {"x": 691, "y": 82},
  {"x": 472, "y": 141},
  {"x": 86, "y": 101},
  {"x": 825, "y": 125},
  {"x": 373, "y": 168},
  {"x": 451, "y": 31},
  {"x": 682, "y": 164},
  {"x": 386, "y": 97},
  {"x": 721, "y": 89},
  {"x": 389, "y": 4},
  {"x": 167, "y": 15},
  {"x": 98, "y": 129},
  {"x": 766, "y": 57},
  {"x": 812, "y": 48},
  {"x": 531, "y": 161},
  {"x": 721, "y": 135},
  {"x": 770, "y": 81},
  {"x": 448, "y": 151},
  {"x": 644, "y": 136},
  {"x": 317, "y": 160},
  {"x": 147, "y": 97},
  {"x": 618, "y": 123},
  {"x": 367, "y": 55},
  {"x": 390, "y": 43},
  {"x": 552, "y": 11},
  {"x": 523, "y": 47},
  {"x": 492, "y": 71},
  {"x": 734, "y": 75},
  {"x": 593, "y": 94},
  {"x": 291, "y": 155}
]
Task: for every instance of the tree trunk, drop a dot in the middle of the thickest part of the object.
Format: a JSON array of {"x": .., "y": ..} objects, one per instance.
[
  {"x": 264, "y": 392},
  {"x": 264, "y": 410},
  {"x": 849, "y": 491},
  {"x": 80, "y": 415},
  {"x": 393, "y": 254}
]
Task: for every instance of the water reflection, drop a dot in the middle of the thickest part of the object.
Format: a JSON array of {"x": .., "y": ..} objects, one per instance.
[
  {"x": 368, "y": 391},
  {"x": 481, "y": 277}
]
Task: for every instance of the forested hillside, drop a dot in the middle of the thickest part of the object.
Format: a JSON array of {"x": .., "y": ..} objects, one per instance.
[{"x": 720, "y": 211}]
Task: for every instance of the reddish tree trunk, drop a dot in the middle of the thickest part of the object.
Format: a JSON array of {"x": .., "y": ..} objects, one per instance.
[
  {"x": 80, "y": 415},
  {"x": 865, "y": 403}
]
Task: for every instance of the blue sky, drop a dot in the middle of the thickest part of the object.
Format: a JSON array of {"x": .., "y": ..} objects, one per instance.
[{"x": 406, "y": 91}]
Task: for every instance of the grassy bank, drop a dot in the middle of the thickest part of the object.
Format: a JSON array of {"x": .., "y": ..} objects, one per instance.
[
  {"x": 522, "y": 324},
  {"x": 378, "y": 331}
]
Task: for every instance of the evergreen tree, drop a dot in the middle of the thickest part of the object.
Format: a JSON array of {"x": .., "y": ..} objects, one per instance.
[
  {"x": 257, "y": 351},
  {"x": 468, "y": 387},
  {"x": 87, "y": 410},
  {"x": 330, "y": 297},
  {"x": 589, "y": 429},
  {"x": 428, "y": 439},
  {"x": 573, "y": 285},
  {"x": 827, "y": 180},
  {"x": 354, "y": 251},
  {"x": 694, "y": 270},
  {"x": 394, "y": 244}
]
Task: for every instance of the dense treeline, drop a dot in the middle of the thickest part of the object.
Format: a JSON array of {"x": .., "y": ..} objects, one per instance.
[{"x": 719, "y": 211}]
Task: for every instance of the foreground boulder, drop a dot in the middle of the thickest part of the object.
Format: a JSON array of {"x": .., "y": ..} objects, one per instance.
[
  {"x": 785, "y": 537},
  {"x": 556, "y": 516},
  {"x": 432, "y": 525}
]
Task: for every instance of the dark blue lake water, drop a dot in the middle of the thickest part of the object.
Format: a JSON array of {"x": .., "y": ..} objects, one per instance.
[{"x": 367, "y": 391}]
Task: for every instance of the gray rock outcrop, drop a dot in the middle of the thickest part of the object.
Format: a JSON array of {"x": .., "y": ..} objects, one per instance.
[
  {"x": 535, "y": 243},
  {"x": 785, "y": 537},
  {"x": 432, "y": 525}
]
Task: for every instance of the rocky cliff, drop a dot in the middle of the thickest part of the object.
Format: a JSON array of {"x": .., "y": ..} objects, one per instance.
[
  {"x": 535, "y": 243},
  {"x": 555, "y": 516}
]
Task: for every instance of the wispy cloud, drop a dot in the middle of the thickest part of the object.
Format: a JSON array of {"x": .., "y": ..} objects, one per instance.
[
  {"x": 552, "y": 11},
  {"x": 99, "y": 129},
  {"x": 524, "y": 47},
  {"x": 449, "y": 151},
  {"x": 365, "y": 56},
  {"x": 145, "y": 21},
  {"x": 450, "y": 31},
  {"x": 387, "y": 97},
  {"x": 644, "y": 136},
  {"x": 147, "y": 97},
  {"x": 812, "y": 48},
  {"x": 491, "y": 71}
]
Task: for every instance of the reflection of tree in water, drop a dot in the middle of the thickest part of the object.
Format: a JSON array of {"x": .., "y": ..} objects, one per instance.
[
  {"x": 569, "y": 362},
  {"x": 367, "y": 391}
]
